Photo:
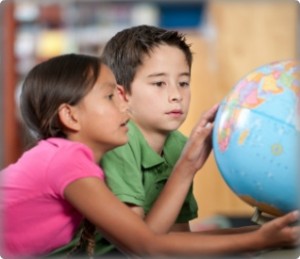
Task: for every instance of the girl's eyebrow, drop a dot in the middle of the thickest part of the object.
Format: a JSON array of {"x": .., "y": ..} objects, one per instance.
[{"x": 109, "y": 85}]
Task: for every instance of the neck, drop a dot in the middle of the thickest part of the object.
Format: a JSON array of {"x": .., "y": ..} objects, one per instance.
[
  {"x": 98, "y": 151},
  {"x": 155, "y": 140}
]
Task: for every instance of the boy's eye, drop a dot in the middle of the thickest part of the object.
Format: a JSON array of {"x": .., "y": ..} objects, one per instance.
[
  {"x": 159, "y": 84},
  {"x": 184, "y": 84}
]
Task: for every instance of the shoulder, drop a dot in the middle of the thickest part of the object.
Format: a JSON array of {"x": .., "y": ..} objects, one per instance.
[
  {"x": 179, "y": 135},
  {"x": 174, "y": 146},
  {"x": 72, "y": 158},
  {"x": 71, "y": 161},
  {"x": 67, "y": 148},
  {"x": 53, "y": 153}
]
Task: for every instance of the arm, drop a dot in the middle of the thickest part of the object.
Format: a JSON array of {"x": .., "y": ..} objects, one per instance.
[
  {"x": 180, "y": 227},
  {"x": 126, "y": 230},
  {"x": 177, "y": 227}
]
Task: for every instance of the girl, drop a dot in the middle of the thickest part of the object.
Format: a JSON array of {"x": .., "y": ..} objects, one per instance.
[{"x": 69, "y": 104}]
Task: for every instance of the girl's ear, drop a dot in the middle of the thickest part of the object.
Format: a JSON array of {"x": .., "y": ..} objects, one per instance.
[{"x": 68, "y": 117}]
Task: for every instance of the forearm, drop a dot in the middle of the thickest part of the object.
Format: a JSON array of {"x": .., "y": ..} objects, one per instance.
[
  {"x": 239, "y": 230},
  {"x": 167, "y": 207},
  {"x": 180, "y": 227},
  {"x": 183, "y": 244}
]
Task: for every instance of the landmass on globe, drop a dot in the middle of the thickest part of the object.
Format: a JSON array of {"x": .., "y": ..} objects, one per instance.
[{"x": 253, "y": 91}]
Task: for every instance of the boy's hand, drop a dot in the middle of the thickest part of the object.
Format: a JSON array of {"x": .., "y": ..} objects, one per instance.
[
  {"x": 281, "y": 232},
  {"x": 199, "y": 145}
]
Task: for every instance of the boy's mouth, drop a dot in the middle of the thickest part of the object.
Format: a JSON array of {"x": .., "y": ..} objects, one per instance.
[{"x": 175, "y": 112}]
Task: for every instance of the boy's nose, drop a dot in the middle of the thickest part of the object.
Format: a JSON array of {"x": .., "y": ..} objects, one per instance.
[{"x": 174, "y": 94}]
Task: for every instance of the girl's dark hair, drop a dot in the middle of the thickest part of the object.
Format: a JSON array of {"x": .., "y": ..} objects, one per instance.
[
  {"x": 62, "y": 79},
  {"x": 124, "y": 52}
]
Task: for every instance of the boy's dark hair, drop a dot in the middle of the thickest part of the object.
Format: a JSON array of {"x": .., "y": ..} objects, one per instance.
[
  {"x": 124, "y": 52},
  {"x": 62, "y": 79}
]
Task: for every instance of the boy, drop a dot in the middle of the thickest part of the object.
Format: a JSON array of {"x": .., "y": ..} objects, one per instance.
[{"x": 152, "y": 67}]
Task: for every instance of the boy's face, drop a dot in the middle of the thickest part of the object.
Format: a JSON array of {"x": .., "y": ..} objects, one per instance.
[{"x": 160, "y": 92}]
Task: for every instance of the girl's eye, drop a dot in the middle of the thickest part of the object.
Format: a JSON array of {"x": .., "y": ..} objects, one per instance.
[
  {"x": 111, "y": 96},
  {"x": 184, "y": 84}
]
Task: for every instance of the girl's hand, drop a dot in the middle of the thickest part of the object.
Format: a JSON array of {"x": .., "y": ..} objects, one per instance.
[{"x": 281, "y": 232}]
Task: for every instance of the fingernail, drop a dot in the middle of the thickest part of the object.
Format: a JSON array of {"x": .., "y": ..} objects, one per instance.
[
  {"x": 208, "y": 125},
  {"x": 296, "y": 213}
]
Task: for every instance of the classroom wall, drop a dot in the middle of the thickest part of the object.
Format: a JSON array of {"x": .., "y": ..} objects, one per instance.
[{"x": 239, "y": 36}]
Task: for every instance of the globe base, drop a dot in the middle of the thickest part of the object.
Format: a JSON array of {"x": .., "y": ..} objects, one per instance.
[{"x": 259, "y": 217}]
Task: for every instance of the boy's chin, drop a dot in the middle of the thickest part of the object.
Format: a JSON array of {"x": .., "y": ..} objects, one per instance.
[
  {"x": 167, "y": 130},
  {"x": 173, "y": 126}
]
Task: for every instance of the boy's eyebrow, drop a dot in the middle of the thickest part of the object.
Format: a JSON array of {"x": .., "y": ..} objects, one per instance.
[
  {"x": 163, "y": 74},
  {"x": 185, "y": 74}
]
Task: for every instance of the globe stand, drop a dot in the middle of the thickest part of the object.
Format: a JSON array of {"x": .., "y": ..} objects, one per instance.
[{"x": 259, "y": 217}]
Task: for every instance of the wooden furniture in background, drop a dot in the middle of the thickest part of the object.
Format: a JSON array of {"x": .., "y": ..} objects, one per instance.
[{"x": 11, "y": 144}]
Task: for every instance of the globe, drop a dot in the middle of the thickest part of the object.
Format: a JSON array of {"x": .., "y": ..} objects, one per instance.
[{"x": 255, "y": 138}]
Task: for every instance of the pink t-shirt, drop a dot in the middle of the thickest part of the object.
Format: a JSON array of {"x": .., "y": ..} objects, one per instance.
[{"x": 36, "y": 217}]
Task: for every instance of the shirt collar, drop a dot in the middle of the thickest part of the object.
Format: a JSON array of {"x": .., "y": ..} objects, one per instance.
[{"x": 149, "y": 158}]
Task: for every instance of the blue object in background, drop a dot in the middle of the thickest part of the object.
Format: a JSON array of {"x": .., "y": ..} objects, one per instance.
[{"x": 181, "y": 15}]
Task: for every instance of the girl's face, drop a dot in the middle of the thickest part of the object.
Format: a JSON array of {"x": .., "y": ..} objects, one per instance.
[
  {"x": 160, "y": 91},
  {"x": 102, "y": 115}
]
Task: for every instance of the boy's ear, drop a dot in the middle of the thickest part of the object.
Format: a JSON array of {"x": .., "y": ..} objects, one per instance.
[
  {"x": 122, "y": 93},
  {"x": 68, "y": 117}
]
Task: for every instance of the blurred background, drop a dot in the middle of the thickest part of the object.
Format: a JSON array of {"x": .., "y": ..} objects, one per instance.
[{"x": 229, "y": 39}]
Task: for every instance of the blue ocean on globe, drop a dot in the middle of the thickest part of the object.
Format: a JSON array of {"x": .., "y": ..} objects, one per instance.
[{"x": 256, "y": 138}]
